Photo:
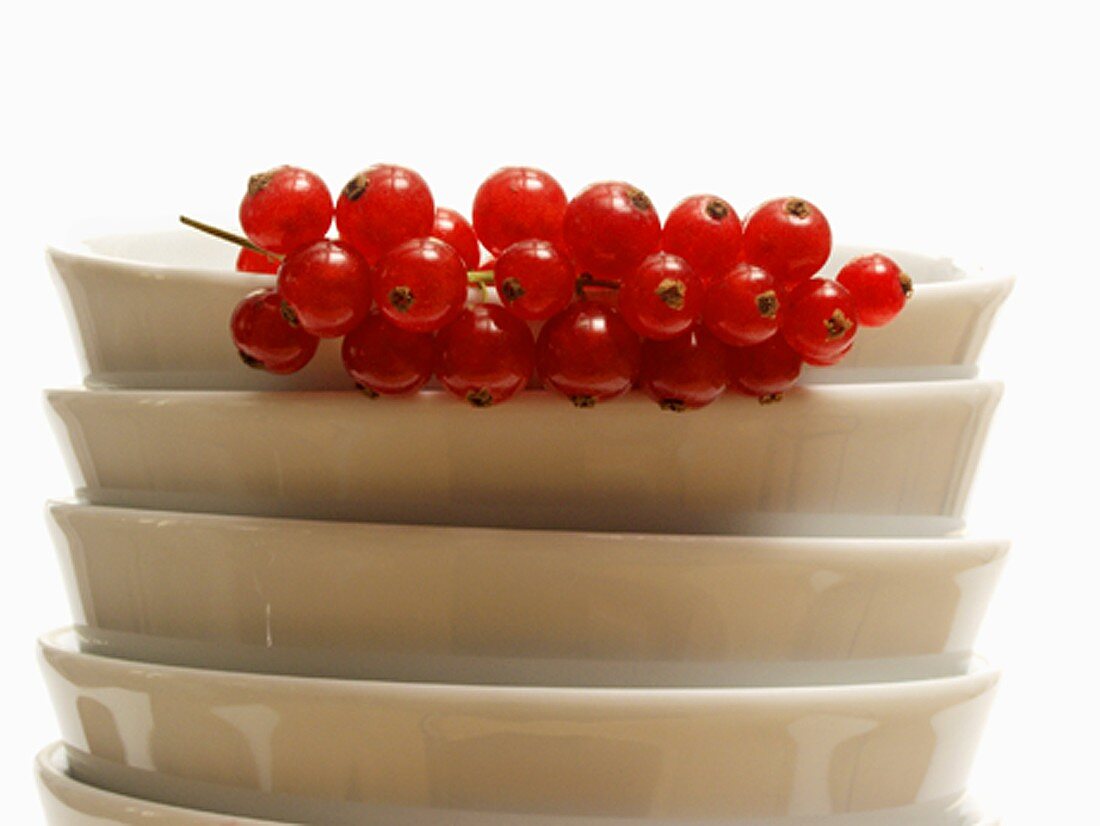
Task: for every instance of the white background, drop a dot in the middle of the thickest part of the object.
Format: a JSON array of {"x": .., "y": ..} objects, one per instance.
[{"x": 957, "y": 128}]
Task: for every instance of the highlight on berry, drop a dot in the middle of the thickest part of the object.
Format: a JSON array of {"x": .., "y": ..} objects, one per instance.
[{"x": 592, "y": 295}]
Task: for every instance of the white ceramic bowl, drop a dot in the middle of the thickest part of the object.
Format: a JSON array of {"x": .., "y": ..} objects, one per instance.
[
  {"x": 152, "y": 310},
  {"x": 900, "y": 457},
  {"x": 69, "y": 802},
  {"x": 634, "y": 752},
  {"x": 506, "y": 606}
]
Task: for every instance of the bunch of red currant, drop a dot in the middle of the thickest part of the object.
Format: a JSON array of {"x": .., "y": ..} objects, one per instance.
[{"x": 685, "y": 311}]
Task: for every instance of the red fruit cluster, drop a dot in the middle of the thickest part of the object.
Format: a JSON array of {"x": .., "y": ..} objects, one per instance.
[{"x": 685, "y": 311}]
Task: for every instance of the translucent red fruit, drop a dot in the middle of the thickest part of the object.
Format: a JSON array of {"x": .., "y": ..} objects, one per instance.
[
  {"x": 879, "y": 288},
  {"x": 788, "y": 237},
  {"x": 285, "y": 208},
  {"x": 588, "y": 353},
  {"x": 766, "y": 370},
  {"x": 534, "y": 279},
  {"x": 265, "y": 339},
  {"x": 325, "y": 288},
  {"x": 249, "y": 261},
  {"x": 384, "y": 359},
  {"x": 705, "y": 231},
  {"x": 517, "y": 203},
  {"x": 819, "y": 319},
  {"x": 662, "y": 297},
  {"x": 742, "y": 307},
  {"x": 686, "y": 372},
  {"x": 610, "y": 228},
  {"x": 384, "y": 206},
  {"x": 421, "y": 285},
  {"x": 485, "y": 356},
  {"x": 829, "y": 359},
  {"x": 455, "y": 230}
]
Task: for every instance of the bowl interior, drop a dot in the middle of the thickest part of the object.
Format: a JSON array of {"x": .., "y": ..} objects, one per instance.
[
  {"x": 173, "y": 248},
  {"x": 184, "y": 248}
]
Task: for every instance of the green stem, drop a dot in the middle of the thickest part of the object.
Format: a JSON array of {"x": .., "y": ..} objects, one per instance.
[{"x": 480, "y": 276}]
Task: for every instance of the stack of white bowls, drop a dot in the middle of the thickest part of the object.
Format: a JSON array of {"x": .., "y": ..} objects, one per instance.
[{"x": 294, "y": 604}]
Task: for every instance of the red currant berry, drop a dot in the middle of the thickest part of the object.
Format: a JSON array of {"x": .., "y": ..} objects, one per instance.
[
  {"x": 451, "y": 227},
  {"x": 421, "y": 285},
  {"x": 706, "y": 232},
  {"x": 534, "y": 280},
  {"x": 250, "y": 261},
  {"x": 486, "y": 355},
  {"x": 829, "y": 359},
  {"x": 384, "y": 359},
  {"x": 878, "y": 286},
  {"x": 662, "y": 297},
  {"x": 766, "y": 370},
  {"x": 788, "y": 237},
  {"x": 603, "y": 292},
  {"x": 610, "y": 228},
  {"x": 285, "y": 208},
  {"x": 382, "y": 207},
  {"x": 325, "y": 288},
  {"x": 819, "y": 318},
  {"x": 265, "y": 339},
  {"x": 742, "y": 307},
  {"x": 686, "y": 372},
  {"x": 517, "y": 203},
  {"x": 588, "y": 353}
]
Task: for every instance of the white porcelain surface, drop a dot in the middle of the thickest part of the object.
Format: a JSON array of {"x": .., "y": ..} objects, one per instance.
[
  {"x": 671, "y": 753},
  {"x": 544, "y": 607},
  {"x": 69, "y": 802},
  {"x": 152, "y": 310},
  {"x": 898, "y": 456}
]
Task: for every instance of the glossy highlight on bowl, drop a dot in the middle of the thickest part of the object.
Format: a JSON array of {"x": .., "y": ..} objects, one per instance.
[
  {"x": 632, "y": 752},
  {"x": 476, "y": 605},
  {"x": 69, "y": 801}
]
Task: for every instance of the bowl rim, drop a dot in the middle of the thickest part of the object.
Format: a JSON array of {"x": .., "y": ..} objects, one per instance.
[
  {"x": 62, "y": 645},
  {"x": 993, "y": 386},
  {"x": 51, "y": 768},
  {"x": 995, "y": 546},
  {"x": 80, "y": 248}
]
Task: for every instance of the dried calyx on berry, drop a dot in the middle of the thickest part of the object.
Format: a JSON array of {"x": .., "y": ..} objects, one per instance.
[{"x": 593, "y": 290}]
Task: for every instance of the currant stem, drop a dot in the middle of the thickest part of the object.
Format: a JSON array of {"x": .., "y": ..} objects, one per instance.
[
  {"x": 482, "y": 277},
  {"x": 231, "y": 237}
]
